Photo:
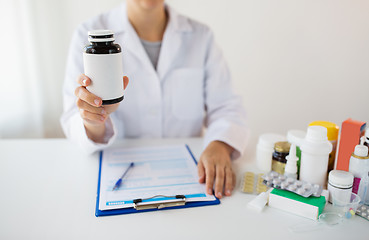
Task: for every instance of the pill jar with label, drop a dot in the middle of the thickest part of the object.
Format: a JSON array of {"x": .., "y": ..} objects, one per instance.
[
  {"x": 281, "y": 150},
  {"x": 340, "y": 185},
  {"x": 102, "y": 60},
  {"x": 359, "y": 165}
]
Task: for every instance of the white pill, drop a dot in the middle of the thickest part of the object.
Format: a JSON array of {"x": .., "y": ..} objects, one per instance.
[
  {"x": 284, "y": 185},
  {"x": 282, "y": 178},
  {"x": 298, "y": 183},
  {"x": 290, "y": 180},
  {"x": 274, "y": 174},
  {"x": 307, "y": 186},
  {"x": 300, "y": 191},
  {"x": 276, "y": 182},
  {"x": 292, "y": 188}
]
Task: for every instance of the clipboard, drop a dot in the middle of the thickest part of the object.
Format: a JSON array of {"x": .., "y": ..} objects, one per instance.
[{"x": 146, "y": 204}]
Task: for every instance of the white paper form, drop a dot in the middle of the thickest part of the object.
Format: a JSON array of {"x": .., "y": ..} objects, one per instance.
[{"x": 168, "y": 171}]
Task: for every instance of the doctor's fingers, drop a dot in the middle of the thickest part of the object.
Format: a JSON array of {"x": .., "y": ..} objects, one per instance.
[
  {"x": 83, "y": 94},
  {"x": 219, "y": 180},
  {"x": 85, "y": 106},
  {"x": 230, "y": 181},
  {"x": 83, "y": 80},
  {"x": 92, "y": 118},
  {"x": 125, "y": 82},
  {"x": 209, "y": 173},
  {"x": 201, "y": 172}
]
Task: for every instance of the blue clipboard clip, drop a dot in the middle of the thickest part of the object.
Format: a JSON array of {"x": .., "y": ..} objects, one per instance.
[{"x": 177, "y": 200}]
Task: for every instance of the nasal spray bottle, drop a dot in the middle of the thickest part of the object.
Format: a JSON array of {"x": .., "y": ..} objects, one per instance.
[
  {"x": 315, "y": 151},
  {"x": 291, "y": 166},
  {"x": 103, "y": 65}
]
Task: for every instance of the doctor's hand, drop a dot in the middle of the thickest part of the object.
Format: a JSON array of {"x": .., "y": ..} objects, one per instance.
[
  {"x": 215, "y": 169},
  {"x": 93, "y": 113}
]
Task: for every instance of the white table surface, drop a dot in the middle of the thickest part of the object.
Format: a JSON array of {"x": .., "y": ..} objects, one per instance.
[{"x": 48, "y": 191}]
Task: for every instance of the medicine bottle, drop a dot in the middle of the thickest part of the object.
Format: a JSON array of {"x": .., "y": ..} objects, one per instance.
[
  {"x": 340, "y": 185},
  {"x": 265, "y": 149},
  {"x": 359, "y": 165},
  {"x": 281, "y": 150},
  {"x": 332, "y": 134},
  {"x": 315, "y": 150},
  {"x": 291, "y": 165},
  {"x": 102, "y": 60}
]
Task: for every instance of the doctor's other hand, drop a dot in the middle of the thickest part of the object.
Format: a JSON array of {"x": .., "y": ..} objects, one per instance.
[
  {"x": 215, "y": 169},
  {"x": 93, "y": 113}
]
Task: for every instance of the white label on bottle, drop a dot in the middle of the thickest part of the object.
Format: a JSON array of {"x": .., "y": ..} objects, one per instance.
[{"x": 106, "y": 74}]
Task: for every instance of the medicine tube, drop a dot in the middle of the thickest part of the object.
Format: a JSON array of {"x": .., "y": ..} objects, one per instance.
[{"x": 103, "y": 65}]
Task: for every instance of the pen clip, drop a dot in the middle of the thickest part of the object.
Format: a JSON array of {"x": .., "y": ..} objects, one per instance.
[{"x": 178, "y": 200}]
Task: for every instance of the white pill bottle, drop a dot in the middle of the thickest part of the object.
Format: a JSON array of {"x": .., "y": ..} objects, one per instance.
[
  {"x": 265, "y": 149},
  {"x": 102, "y": 60},
  {"x": 315, "y": 150}
]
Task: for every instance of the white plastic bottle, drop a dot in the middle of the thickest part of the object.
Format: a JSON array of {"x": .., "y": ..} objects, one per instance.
[
  {"x": 315, "y": 150},
  {"x": 102, "y": 60},
  {"x": 264, "y": 150},
  {"x": 359, "y": 165},
  {"x": 291, "y": 165}
]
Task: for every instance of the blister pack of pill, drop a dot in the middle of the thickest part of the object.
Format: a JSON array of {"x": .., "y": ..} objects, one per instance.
[
  {"x": 253, "y": 183},
  {"x": 363, "y": 211},
  {"x": 302, "y": 188}
]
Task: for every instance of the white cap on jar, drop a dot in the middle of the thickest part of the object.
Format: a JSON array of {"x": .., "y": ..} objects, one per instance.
[
  {"x": 341, "y": 179},
  {"x": 361, "y": 151}
]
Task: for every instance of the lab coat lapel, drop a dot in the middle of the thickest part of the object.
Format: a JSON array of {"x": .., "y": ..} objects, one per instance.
[
  {"x": 172, "y": 41},
  {"x": 169, "y": 50},
  {"x": 132, "y": 43}
]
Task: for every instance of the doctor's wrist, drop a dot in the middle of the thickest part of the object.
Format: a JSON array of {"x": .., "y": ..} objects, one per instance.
[
  {"x": 95, "y": 132},
  {"x": 223, "y": 146}
]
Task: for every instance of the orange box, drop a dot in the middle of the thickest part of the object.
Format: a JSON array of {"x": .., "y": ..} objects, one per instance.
[{"x": 351, "y": 131}]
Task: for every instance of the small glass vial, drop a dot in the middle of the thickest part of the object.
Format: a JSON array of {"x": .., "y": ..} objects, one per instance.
[
  {"x": 102, "y": 60},
  {"x": 340, "y": 185},
  {"x": 281, "y": 150}
]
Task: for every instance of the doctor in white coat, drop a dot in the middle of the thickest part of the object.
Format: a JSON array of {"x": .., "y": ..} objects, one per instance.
[{"x": 179, "y": 84}]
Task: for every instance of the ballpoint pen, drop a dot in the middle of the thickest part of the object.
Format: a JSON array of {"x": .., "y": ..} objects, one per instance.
[{"x": 119, "y": 182}]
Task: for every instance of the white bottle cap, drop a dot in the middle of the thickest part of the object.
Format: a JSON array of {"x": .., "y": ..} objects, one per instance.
[
  {"x": 340, "y": 178},
  {"x": 296, "y": 136},
  {"x": 269, "y": 139},
  {"x": 291, "y": 165},
  {"x": 361, "y": 151},
  {"x": 316, "y": 134},
  {"x": 100, "y": 35},
  {"x": 316, "y": 141}
]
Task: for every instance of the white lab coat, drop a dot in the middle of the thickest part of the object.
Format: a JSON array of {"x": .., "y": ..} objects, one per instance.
[{"x": 189, "y": 90}]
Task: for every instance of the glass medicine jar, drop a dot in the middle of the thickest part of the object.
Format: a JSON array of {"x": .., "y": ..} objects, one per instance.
[{"x": 281, "y": 150}]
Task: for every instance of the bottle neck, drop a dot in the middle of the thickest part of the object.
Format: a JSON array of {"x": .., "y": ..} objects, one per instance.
[{"x": 101, "y": 44}]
